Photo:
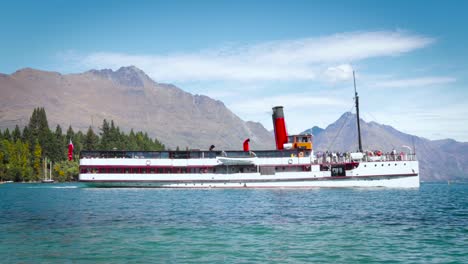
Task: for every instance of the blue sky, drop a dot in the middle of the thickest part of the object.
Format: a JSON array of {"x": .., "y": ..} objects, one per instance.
[{"x": 409, "y": 56}]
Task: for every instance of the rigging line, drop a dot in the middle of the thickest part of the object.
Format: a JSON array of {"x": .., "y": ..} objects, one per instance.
[{"x": 339, "y": 131}]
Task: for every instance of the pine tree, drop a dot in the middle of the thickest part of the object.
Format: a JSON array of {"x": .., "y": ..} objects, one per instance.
[
  {"x": 70, "y": 134},
  {"x": 115, "y": 136},
  {"x": 78, "y": 142},
  {"x": 16, "y": 135},
  {"x": 6, "y": 134},
  {"x": 53, "y": 145},
  {"x": 91, "y": 140},
  {"x": 132, "y": 141},
  {"x": 26, "y": 136},
  {"x": 105, "y": 136},
  {"x": 38, "y": 125}
]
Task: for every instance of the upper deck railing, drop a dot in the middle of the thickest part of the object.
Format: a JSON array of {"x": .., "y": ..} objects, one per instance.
[
  {"x": 332, "y": 157},
  {"x": 192, "y": 154}
]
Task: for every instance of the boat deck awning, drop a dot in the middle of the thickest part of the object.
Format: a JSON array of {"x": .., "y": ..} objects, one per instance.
[{"x": 235, "y": 161}]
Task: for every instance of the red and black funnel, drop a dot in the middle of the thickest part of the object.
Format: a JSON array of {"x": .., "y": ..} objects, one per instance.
[{"x": 281, "y": 136}]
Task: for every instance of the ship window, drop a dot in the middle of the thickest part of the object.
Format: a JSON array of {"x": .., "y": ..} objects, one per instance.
[
  {"x": 389, "y": 164},
  {"x": 365, "y": 165},
  {"x": 382, "y": 165},
  {"x": 152, "y": 170},
  {"x": 338, "y": 170},
  {"x": 118, "y": 170},
  {"x": 127, "y": 170},
  {"x": 395, "y": 164},
  {"x": 375, "y": 165},
  {"x": 404, "y": 164},
  {"x": 179, "y": 154},
  {"x": 194, "y": 155},
  {"x": 160, "y": 170},
  {"x": 111, "y": 170},
  {"x": 134, "y": 170},
  {"x": 153, "y": 155},
  {"x": 143, "y": 170}
]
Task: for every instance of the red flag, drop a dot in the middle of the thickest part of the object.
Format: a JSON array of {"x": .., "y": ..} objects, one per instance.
[{"x": 70, "y": 150}]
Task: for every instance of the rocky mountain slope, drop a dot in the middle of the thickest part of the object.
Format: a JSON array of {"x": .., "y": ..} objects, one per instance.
[
  {"x": 440, "y": 160},
  {"x": 130, "y": 98}
]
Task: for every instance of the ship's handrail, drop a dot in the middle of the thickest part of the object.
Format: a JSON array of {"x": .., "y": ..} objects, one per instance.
[
  {"x": 193, "y": 154},
  {"x": 333, "y": 158}
]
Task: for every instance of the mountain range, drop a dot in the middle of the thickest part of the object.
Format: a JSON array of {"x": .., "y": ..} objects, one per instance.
[
  {"x": 177, "y": 118},
  {"x": 130, "y": 98}
]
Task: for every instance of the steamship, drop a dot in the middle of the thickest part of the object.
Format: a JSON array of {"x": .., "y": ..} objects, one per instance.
[{"x": 293, "y": 164}]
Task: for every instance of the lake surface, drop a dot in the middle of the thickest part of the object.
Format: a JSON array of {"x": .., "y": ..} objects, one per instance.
[{"x": 67, "y": 223}]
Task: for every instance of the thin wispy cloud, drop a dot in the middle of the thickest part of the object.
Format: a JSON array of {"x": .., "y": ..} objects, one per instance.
[
  {"x": 325, "y": 57},
  {"x": 341, "y": 72}
]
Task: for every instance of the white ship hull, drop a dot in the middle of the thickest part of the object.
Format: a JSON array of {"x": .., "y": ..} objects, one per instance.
[
  {"x": 393, "y": 174},
  {"x": 388, "y": 182}
]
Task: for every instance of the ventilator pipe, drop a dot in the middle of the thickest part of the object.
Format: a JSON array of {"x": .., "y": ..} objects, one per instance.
[{"x": 246, "y": 144}]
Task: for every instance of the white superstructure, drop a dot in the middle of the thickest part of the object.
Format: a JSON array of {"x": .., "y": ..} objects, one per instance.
[{"x": 239, "y": 169}]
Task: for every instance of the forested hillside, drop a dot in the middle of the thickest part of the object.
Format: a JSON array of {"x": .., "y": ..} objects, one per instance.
[{"x": 24, "y": 151}]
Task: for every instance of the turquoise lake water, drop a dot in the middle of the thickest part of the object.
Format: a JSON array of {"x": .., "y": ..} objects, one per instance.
[{"x": 67, "y": 223}]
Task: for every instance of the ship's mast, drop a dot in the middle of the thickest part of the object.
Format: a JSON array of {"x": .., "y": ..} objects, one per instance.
[{"x": 356, "y": 97}]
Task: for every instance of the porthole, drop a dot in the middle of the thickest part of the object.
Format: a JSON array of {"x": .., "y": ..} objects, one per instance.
[
  {"x": 404, "y": 164},
  {"x": 395, "y": 164},
  {"x": 375, "y": 165}
]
